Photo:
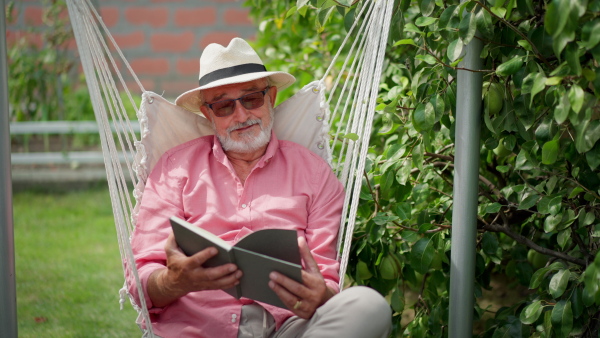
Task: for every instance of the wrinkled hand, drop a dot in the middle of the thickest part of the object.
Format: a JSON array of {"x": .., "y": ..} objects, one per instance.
[
  {"x": 185, "y": 274},
  {"x": 304, "y": 298}
]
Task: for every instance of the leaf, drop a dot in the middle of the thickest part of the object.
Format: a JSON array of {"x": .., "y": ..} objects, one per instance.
[
  {"x": 425, "y": 21},
  {"x": 447, "y": 14},
  {"x": 576, "y": 98},
  {"x": 562, "y": 317},
  {"x": 429, "y": 59},
  {"x": 423, "y": 117},
  {"x": 587, "y": 134},
  {"x": 531, "y": 312},
  {"x": 558, "y": 283},
  {"x": 563, "y": 238},
  {"x": 499, "y": 11},
  {"x": 554, "y": 80},
  {"x": 555, "y": 205},
  {"x": 351, "y": 136},
  {"x": 539, "y": 83},
  {"x": 493, "y": 208},
  {"x": 550, "y": 152},
  {"x": 484, "y": 23},
  {"x": 397, "y": 300},
  {"x": 593, "y": 157},
  {"x": 489, "y": 243},
  {"x": 529, "y": 201},
  {"x": 572, "y": 57},
  {"x": 405, "y": 42},
  {"x": 561, "y": 112},
  {"x": 403, "y": 211},
  {"x": 410, "y": 27},
  {"x": 403, "y": 173},
  {"x": 589, "y": 34},
  {"x": 422, "y": 254},
  {"x": 556, "y": 16},
  {"x": 426, "y": 6},
  {"x": 551, "y": 222},
  {"x": 454, "y": 50},
  {"x": 538, "y": 277},
  {"x": 467, "y": 28},
  {"x": 510, "y": 67}
]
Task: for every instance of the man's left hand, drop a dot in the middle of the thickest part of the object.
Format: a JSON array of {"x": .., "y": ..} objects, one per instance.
[{"x": 302, "y": 299}]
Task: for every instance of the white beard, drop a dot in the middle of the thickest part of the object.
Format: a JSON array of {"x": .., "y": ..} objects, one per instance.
[{"x": 247, "y": 143}]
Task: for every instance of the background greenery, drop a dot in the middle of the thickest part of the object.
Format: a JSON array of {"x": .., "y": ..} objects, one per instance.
[
  {"x": 68, "y": 267},
  {"x": 538, "y": 223}
]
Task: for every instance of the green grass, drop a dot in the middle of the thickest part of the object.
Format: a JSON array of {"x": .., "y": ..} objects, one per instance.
[{"x": 68, "y": 267}]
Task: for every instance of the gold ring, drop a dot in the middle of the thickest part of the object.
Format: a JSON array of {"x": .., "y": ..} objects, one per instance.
[{"x": 297, "y": 305}]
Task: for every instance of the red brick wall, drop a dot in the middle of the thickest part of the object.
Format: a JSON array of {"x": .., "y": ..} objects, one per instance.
[{"x": 161, "y": 39}]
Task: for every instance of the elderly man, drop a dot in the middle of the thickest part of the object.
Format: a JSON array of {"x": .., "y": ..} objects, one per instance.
[{"x": 231, "y": 184}]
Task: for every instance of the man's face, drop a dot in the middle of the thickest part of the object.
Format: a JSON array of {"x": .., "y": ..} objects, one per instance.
[{"x": 244, "y": 130}]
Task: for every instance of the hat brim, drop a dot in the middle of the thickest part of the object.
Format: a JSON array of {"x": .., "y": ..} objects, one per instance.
[{"x": 190, "y": 100}]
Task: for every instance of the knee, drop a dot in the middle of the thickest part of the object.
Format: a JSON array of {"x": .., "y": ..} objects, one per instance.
[{"x": 369, "y": 301}]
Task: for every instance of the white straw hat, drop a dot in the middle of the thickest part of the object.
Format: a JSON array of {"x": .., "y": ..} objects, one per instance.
[{"x": 236, "y": 63}]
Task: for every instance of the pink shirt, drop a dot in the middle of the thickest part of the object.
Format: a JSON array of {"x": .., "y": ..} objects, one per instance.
[{"x": 290, "y": 188}]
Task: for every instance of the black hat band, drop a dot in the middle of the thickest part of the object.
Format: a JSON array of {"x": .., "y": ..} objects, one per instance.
[{"x": 224, "y": 73}]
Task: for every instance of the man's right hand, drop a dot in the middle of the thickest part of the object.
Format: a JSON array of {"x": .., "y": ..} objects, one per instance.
[{"x": 185, "y": 274}]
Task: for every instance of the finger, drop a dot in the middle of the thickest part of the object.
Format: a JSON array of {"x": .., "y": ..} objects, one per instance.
[
  {"x": 171, "y": 245},
  {"x": 297, "y": 290},
  {"x": 222, "y": 271},
  {"x": 289, "y": 299},
  {"x": 309, "y": 261},
  {"x": 227, "y": 281},
  {"x": 203, "y": 256}
]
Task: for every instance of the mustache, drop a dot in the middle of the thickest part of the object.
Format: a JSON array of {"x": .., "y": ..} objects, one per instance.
[{"x": 244, "y": 124}]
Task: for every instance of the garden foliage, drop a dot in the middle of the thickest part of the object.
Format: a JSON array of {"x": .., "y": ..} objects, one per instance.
[{"x": 538, "y": 219}]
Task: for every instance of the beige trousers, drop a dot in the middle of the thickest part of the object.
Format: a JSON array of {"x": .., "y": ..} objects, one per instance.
[{"x": 358, "y": 312}]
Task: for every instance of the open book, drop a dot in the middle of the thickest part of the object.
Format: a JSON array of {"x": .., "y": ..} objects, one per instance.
[{"x": 257, "y": 255}]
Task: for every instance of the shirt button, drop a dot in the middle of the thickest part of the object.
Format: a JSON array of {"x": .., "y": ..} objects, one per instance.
[
  {"x": 244, "y": 206},
  {"x": 233, "y": 318}
]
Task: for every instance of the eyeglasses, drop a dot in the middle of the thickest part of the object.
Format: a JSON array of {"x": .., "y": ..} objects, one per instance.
[{"x": 249, "y": 101}]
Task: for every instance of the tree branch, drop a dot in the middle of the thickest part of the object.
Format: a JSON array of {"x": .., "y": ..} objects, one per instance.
[{"x": 527, "y": 242}]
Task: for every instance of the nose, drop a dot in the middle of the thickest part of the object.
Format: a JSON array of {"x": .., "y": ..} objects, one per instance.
[{"x": 240, "y": 113}]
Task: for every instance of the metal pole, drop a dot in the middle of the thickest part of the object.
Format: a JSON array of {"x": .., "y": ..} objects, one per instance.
[
  {"x": 8, "y": 290},
  {"x": 466, "y": 180}
]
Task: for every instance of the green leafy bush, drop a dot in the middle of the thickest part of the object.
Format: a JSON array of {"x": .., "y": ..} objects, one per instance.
[{"x": 538, "y": 219}]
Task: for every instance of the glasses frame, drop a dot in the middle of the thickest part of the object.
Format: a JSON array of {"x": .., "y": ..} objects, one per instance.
[{"x": 264, "y": 92}]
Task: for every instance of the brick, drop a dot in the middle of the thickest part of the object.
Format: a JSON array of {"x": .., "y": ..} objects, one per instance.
[
  {"x": 131, "y": 40},
  {"x": 185, "y": 17},
  {"x": 155, "y": 17},
  {"x": 110, "y": 16},
  {"x": 187, "y": 66},
  {"x": 237, "y": 17},
  {"x": 177, "y": 43},
  {"x": 33, "y": 16},
  {"x": 176, "y": 88},
  {"x": 28, "y": 38},
  {"x": 222, "y": 38},
  {"x": 148, "y": 84},
  {"x": 159, "y": 1},
  {"x": 150, "y": 66}
]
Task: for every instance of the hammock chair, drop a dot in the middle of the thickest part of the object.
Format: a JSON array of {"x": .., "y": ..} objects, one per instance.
[{"x": 335, "y": 122}]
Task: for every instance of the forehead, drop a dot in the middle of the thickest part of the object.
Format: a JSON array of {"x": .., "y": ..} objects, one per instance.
[{"x": 233, "y": 90}]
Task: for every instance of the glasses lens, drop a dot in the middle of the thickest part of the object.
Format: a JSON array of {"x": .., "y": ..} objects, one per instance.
[
  {"x": 253, "y": 100},
  {"x": 223, "y": 108}
]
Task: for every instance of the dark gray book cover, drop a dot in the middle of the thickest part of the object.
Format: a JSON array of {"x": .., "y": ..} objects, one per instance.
[{"x": 257, "y": 255}]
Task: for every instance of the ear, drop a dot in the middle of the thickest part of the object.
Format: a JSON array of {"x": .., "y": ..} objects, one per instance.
[
  {"x": 205, "y": 112},
  {"x": 273, "y": 95}
]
